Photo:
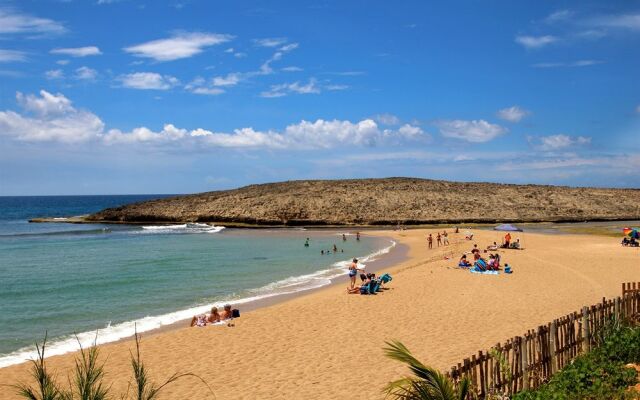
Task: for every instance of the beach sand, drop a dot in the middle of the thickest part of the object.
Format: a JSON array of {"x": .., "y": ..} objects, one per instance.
[{"x": 328, "y": 345}]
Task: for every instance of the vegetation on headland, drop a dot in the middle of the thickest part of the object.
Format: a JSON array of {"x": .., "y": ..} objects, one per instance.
[
  {"x": 87, "y": 381},
  {"x": 389, "y": 201},
  {"x": 601, "y": 374}
]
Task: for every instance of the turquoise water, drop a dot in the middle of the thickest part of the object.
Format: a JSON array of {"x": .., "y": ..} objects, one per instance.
[{"x": 63, "y": 278}]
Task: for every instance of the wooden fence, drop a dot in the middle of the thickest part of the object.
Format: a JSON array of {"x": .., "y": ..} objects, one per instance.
[{"x": 527, "y": 361}]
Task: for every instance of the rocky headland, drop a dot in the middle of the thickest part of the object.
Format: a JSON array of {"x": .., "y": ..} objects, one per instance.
[{"x": 387, "y": 201}]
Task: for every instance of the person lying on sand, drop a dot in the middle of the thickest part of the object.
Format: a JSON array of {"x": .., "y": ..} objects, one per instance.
[
  {"x": 227, "y": 313},
  {"x": 199, "y": 320},
  {"x": 214, "y": 316},
  {"x": 493, "y": 246}
]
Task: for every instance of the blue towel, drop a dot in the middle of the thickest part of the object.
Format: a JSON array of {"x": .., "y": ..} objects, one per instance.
[{"x": 475, "y": 271}]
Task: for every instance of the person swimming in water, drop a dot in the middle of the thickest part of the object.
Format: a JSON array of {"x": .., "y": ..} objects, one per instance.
[
  {"x": 344, "y": 238},
  {"x": 335, "y": 248},
  {"x": 306, "y": 243}
]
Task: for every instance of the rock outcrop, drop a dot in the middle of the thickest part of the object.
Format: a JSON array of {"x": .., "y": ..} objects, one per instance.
[{"x": 382, "y": 202}]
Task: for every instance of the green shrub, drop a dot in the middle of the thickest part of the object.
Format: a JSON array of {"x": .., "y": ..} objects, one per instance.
[{"x": 599, "y": 374}]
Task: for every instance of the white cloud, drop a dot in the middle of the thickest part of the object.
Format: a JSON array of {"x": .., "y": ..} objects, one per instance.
[
  {"x": 86, "y": 74},
  {"x": 321, "y": 134},
  {"x": 143, "y": 134},
  {"x": 207, "y": 91},
  {"x": 13, "y": 22},
  {"x": 231, "y": 79},
  {"x": 578, "y": 63},
  {"x": 78, "y": 51},
  {"x": 292, "y": 69},
  {"x": 62, "y": 62},
  {"x": 476, "y": 131},
  {"x": 558, "y": 142},
  {"x": 513, "y": 114},
  {"x": 558, "y": 16},
  {"x": 270, "y": 42},
  {"x": 621, "y": 21},
  {"x": 199, "y": 86},
  {"x": 410, "y": 132},
  {"x": 387, "y": 119},
  {"x": 54, "y": 119},
  {"x": 12, "y": 56},
  {"x": 336, "y": 87},
  {"x": 54, "y": 74},
  {"x": 535, "y": 42},
  {"x": 148, "y": 81},
  {"x": 265, "y": 68},
  {"x": 181, "y": 45},
  {"x": 46, "y": 104},
  {"x": 284, "y": 89}
]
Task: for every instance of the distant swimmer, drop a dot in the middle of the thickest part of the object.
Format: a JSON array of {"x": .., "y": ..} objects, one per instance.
[
  {"x": 344, "y": 238},
  {"x": 306, "y": 243},
  {"x": 358, "y": 236},
  {"x": 322, "y": 252},
  {"x": 335, "y": 248}
]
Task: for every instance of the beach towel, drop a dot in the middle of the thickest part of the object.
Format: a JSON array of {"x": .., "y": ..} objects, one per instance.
[{"x": 475, "y": 271}]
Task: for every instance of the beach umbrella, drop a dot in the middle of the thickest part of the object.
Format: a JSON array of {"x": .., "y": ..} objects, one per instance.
[
  {"x": 507, "y": 228},
  {"x": 631, "y": 232}
]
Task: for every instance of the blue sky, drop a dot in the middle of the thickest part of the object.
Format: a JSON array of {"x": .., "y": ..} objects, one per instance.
[{"x": 123, "y": 96}]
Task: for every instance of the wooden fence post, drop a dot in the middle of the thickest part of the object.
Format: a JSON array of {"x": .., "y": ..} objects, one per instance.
[
  {"x": 524, "y": 364},
  {"x": 553, "y": 327},
  {"x": 616, "y": 309},
  {"x": 586, "y": 339}
]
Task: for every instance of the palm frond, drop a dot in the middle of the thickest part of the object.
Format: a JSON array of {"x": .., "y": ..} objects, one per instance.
[{"x": 427, "y": 383}]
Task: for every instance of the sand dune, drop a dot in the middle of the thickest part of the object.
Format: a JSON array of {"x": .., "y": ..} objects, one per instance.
[{"x": 328, "y": 345}]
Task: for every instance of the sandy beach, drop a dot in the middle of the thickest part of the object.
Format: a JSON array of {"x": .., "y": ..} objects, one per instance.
[{"x": 328, "y": 345}]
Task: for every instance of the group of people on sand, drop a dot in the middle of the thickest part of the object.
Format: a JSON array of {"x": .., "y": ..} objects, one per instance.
[
  {"x": 441, "y": 239},
  {"x": 214, "y": 317},
  {"x": 481, "y": 263},
  {"x": 632, "y": 242},
  {"x": 370, "y": 284}
]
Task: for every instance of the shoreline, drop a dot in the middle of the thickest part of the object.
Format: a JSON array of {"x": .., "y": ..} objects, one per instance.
[
  {"x": 375, "y": 225},
  {"x": 388, "y": 254},
  {"x": 294, "y": 348},
  {"x": 396, "y": 255}
]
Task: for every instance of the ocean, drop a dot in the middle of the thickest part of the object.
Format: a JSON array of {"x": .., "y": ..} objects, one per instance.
[{"x": 99, "y": 280}]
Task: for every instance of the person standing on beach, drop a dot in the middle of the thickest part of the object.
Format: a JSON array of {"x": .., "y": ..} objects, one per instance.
[
  {"x": 439, "y": 238},
  {"x": 445, "y": 235},
  {"x": 353, "y": 271},
  {"x": 430, "y": 241},
  {"x": 507, "y": 240}
]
